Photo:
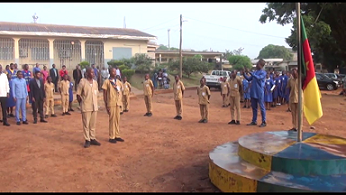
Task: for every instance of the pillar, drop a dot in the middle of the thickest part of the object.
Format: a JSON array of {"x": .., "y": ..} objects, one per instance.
[
  {"x": 51, "y": 52},
  {"x": 82, "y": 48},
  {"x": 16, "y": 50},
  {"x": 160, "y": 58}
]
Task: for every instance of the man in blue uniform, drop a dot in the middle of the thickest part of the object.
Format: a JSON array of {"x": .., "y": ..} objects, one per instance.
[
  {"x": 284, "y": 87},
  {"x": 20, "y": 95},
  {"x": 257, "y": 79}
]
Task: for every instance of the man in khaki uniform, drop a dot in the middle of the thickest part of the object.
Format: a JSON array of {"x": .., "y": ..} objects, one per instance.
[
  {"x": 235, "y": 90},
  {"x": 64, "y": 92},
  {"x": 203, "y": 93},
  {"x": 148, "y": 89},
  {"x": 178, "y": 90},
  {"x": 293, "y": 100},
  {"x": 111, "y": 96},
  {"x": 126, "y": 95},
  {"x": 49, "y": 89},
  {"x": 121, "y": 91},
  {"x": 224, "y": 92},
  {"x": 87, "y": 98}
]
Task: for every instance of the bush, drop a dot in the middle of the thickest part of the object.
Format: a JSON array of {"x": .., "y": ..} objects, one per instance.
[
  {"x": 114, "y": 63},
  {"x": 128, "y": 73},
  {"x": 84, "y": 64},
  {"x": 123, "y": 67}
]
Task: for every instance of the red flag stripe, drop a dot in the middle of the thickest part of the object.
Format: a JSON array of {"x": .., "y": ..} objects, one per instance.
[{"x": 309, "y": 63}]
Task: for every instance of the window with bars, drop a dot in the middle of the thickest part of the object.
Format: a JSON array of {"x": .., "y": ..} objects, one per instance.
[
  {"x": 6, "y": 49},
  {"x": 40, "y": 53}
]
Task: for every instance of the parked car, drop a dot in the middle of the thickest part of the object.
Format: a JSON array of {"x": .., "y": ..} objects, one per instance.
[
  {"x": 214, "y": 78},
  {"x": 324, "y": 82},
  {"x": 334, "y": 77}
]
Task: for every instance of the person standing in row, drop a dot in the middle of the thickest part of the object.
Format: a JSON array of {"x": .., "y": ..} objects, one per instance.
[
  {"x": 49, "y": 90},
  {"x": 45, "y": 74},
  {"x": 121, "y": 92},
  {"x": 246, "y": 92},
  {"x": 203, "y": 93},
  {"x": 36, "y": 68},
  {"x": 268, "y": 95},
  {"x": 257, "y": 79},
  {"x": 111, "y": 95},
  {"x": 293, "y": 100},
  {"x": 27, "y": 76},
  {"x": 4, "y": 94},
  {"x": 77, "y": 76},
  {"x": 38, "y": 96},
  {"x": 126, "y": 94},
  {"x": 235, "y": 89},
  {"x": 148, "y": 88},
  {"x": 20, "y": 96},
  {"x": 10, "y": 102},
  {"x": 178, "y": 90},
  {"x": 70, "y": 95},
  {"x": 53, "y": 72},
  {"x": 63, "y": 72},
  {"x": 224, "y": 92},
  {"x": 64, "y": 92},
  {"x": 87, "y": 98}
]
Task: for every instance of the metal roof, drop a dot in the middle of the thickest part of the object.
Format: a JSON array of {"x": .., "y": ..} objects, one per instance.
[{"x": 54, "y": 28}]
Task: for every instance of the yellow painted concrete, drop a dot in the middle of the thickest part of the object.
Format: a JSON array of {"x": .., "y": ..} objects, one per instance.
[
  {"x": 326, "y": 139},
  {"x": 261, "y": 160},
  {"x": 137, "y": 46}
]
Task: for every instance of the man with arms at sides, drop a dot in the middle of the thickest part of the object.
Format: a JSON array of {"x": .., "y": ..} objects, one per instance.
[
  {"x": 111, "y": 95},
  {"x": 126, "y": 94},
  {"x": 87, "y": 98},
  {"x": 293, "y": 99},
  {"x": 77, "y": 76},
  {"x": 38, "y": 96},
  {"x": 20, "y": 96},
  {"x": 49, "y": 90},
  {"x": 148, "y": 88},
  {"x": 53, "y": 72},
  {"x": 178, "y": 90},
  {"x": 235, "y": 89},
  {"x": 4, "y": 94},
  {"x": 257, "y": 79}
]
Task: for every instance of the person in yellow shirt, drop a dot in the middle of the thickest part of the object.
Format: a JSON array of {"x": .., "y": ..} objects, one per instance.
[
  {"x": 293, "y": 100},
  {"x": 148, "y": 88},
  {"x": 126, "y": 95},
  {"x": 235, "y": 91},
  {"x": 224, "y": 92},
  {"x": 178, "y": 90},
  {"x": 121, "y": 91},
  {"x": 203, "y": 93},
  {"x": 49, "y": 89},
  {"x": 64, "y": 92}
]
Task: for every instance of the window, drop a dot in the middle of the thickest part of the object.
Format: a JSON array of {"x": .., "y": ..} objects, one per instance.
[
  {"x": 6, "y": 53},
  {"x": 121, "y": 53},
  {"x": 40, "y": 53}
]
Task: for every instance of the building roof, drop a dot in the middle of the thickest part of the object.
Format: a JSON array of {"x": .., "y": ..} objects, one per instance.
[
  {"x": 11, "y": 28},
  {"x": 188, "y": 52}
]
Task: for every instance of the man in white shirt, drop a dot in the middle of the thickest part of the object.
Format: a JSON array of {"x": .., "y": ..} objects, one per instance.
[
  {"x": 4, "y": 94},
  {"x": 118, "y": 71}
]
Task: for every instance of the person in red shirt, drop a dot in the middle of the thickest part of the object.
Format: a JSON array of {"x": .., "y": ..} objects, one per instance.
[{"x": 62, "y": 72}]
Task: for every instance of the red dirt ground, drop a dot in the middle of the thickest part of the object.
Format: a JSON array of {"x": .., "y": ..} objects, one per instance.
[{"x": 159, "y": 154}]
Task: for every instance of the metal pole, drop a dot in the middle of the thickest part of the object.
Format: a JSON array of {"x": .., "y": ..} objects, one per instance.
[
  {"x": 181, "y": 42},
  {"x": 221, "y": 62},
  {"x": 299, "y": 54},
  {"x": 169, "y": 42}
]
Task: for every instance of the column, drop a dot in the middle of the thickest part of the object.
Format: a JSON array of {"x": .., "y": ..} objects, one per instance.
[
  {"x": 160, "y": 58},
  {"x": 51, "y": 52},
  {"x": 82, "y": 48},
  {"x": 16, "y": 50}
]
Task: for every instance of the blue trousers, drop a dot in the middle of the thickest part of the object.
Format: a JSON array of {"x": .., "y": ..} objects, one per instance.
[
  {"x": 21, "y": 104},
  {"x": 254, "y": 105}
]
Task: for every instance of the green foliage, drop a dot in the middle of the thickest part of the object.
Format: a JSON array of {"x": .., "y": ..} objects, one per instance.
[
  {"x": 275, "y": 51},
  {"x": 143, "y": 63},
  {"x": 115, "y": 63},
  {"x": 164, "y": 48},
  {"x": 123, "y": 67},
  {"x": 84, "y": 64},
  {"x": 198, "y": 56},
  {"x": 128, "y": 73},
  {"x": 229, "y": 53},
  {"x": 239, "y": 62},
  {"x": 190, "y": 65}
]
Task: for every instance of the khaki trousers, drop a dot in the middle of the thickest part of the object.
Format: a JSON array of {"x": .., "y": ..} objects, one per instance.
[
  {"x": 147, "y": 100},
  {"x": 64, "y": 103},
  {"x": 294, "y": 112},
  {"x": 89, "y": 124},
  {"x": 126, "y": 102},
  {"x": 204, "y": 111},
  {"x": 114, "y": 119},
  {"x": 49, "y": 104},
  {"x": 224, "y": 99},
  {"x": 235, "y": 105},
  {"x": 179, "y": 107},
  {"x": 121, "y": 102}
]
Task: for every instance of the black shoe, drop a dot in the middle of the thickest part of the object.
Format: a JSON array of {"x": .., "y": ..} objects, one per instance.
[
  {"x": 87, "y": 144},
  {"x": 176, "y": 117},
  {"x": 201, "y": 121},
  {"x": 1, "y": 121},
  {"x": 126, "y": 110},
  {"x": 113, "y": 141},
  {"x": 11, "y": 115},
  {"x": 25, "y": 122},
  {"x": 179, "y": 118},
  {"x": 244, "y": 106},
  {"x": 237, "y": 122},
  {"x": 223, "y": 106},
  {"x": 232, "y": 122},
  {"x": 67, "y": 113},
  {"x": 18, "y": 123},
  {"x": 35, "y": 121},
  {"x": 53, "y": 115},
  {"x": 63, "y": 113},
  {"x": 150, "y": 114},
  {"x": 95, "y": 142},
  {"x": 293, "y": 129},
  {"x": 248, "y": 107},
  {"x": 205, "y": 121},
  {"x": 46, "y": 116},
  {"x": 263, "y": 124},
  {"x": 252, "y": 124},
  {"x": 119, "y": 139},
  {"x": 6, "y": 124},
  {"x": 146, "y": 114},
  {"x": 71, "y": 110},
  {"x": 43, "y": 121},
  {"x": 121, "y": 113}
]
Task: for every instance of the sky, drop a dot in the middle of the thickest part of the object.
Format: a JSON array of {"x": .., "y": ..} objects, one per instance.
[{"x": 206, "y": 26}]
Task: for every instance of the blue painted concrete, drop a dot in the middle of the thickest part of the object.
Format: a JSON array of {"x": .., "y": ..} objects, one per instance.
[{"x": 291, "y": 134}]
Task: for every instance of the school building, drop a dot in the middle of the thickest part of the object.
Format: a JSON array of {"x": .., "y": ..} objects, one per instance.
[
  {"x": 47, "y": 44},
  {"x": 165, "y": 56}
]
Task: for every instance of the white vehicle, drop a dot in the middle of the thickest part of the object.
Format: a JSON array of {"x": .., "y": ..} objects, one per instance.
[{"x": 214, "y": 78}]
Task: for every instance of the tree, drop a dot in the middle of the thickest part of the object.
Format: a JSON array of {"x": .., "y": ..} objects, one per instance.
[
  {"x": 84, "y": 64},
  {"x": 229, "y": 53},
  {"x": 275, "y": 51},
  {"x": 239, "y": 62},
  {"x": 164, "y": 48},
  {"x": 190, "y": 65},
  {"x": 142, "y": 63},
  {"x": 324, "y": 24}
]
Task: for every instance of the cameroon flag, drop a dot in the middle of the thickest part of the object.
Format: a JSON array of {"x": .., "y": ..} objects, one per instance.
[{"x": 312, "y": 94}]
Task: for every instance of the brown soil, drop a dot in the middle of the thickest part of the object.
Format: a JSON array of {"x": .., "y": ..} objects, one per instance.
[{"x": 159, "y": 153}]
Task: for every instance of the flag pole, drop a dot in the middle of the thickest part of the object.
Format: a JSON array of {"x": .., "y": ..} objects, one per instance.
[{"x": 299, "y": 55}]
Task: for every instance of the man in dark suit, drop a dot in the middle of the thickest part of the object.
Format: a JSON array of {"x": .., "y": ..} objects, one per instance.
[
  {"x": 77, "y": 76},
  {"x": 38, "y": 96},
  {"x": 53, "y": 72}
]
